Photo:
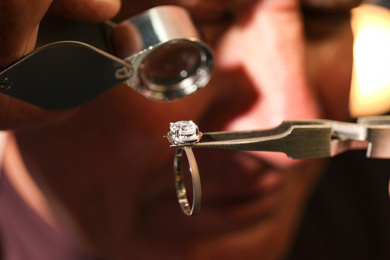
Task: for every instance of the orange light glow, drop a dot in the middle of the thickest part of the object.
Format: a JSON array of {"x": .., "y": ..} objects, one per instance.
[{"x": 370, "y": 92}]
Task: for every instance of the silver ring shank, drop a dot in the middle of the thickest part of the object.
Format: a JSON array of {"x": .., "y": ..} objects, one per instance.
[{"x": 180, "y": 187}]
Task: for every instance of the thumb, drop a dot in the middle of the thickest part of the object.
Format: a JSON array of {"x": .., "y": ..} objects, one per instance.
[{"x": 19, "y": 20}]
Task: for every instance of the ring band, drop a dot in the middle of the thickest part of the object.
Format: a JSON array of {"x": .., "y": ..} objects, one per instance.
[{"x": 180, "y": 187}]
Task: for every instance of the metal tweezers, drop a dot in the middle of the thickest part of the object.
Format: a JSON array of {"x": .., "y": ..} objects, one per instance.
[{"x": 307, "y": 138}]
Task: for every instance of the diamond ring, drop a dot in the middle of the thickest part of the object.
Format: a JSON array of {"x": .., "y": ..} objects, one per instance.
[
  {"x": 183, "y": 132},
  {"x": 180, "y": 187},
  {"x": 186, "y": 132}
]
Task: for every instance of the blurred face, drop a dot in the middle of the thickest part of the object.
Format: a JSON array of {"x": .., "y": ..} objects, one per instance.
[{"x": 274, "y": 62}]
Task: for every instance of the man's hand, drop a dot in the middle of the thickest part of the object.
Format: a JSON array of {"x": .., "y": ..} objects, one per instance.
[{"x": 19, "y": 23}]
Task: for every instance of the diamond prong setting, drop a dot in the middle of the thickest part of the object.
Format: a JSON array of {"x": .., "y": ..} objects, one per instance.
[{"x": 183, "y": 132}]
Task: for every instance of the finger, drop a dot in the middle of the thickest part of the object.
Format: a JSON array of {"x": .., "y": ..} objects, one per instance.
[
  {"x": 19, "y": 21},
  {"x": 126, "y": 40},
  {"x": 86, "y": 11}
]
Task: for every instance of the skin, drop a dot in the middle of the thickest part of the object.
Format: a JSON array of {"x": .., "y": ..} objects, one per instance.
[{"x": 104, "y": 171}]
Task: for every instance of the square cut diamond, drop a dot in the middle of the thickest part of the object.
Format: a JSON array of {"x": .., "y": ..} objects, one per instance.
[{"x": 183, "y": 132}]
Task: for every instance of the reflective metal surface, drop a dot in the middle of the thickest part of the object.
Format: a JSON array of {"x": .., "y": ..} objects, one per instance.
[
  {"x": 64, "y": 76},
  {"x": 171, "y": 63},
  {"x": 176, "y": 63},
  {"x": 181, "y": 191},
  {"x": 307, "y": 138}
]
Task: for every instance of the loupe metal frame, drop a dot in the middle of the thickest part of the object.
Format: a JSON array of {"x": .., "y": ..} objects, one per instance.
[{"x": 75, "y": 64}]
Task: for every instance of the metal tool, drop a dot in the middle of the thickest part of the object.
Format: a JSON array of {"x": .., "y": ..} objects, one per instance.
[
  {"x": 74, "y": 63},
  {"x": 306, "y": 138}
]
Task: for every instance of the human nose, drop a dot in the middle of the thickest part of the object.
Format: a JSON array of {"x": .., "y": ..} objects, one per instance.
[{"x": 266, "y": 49}]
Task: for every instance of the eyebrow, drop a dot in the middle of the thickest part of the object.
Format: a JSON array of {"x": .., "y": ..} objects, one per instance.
[{"x": 331, "y": 4}]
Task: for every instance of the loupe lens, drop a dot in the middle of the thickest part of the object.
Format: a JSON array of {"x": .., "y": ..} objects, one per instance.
[
  {"x": 175, "y": 69},
  {"x": 171, "y": 63}
]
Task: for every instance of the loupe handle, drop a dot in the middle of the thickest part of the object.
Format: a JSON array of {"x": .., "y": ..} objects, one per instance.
[
  {"x": 63, "y": 75},
  {"x": 77, "y": 65}
]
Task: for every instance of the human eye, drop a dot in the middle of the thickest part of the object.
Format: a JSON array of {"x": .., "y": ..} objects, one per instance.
[
  {"x": 324, "y": 18},
  {"x": 331, "y": 4}
]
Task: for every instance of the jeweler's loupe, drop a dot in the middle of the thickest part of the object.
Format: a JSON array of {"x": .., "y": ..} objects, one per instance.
[{"x": 74, "y": 62}]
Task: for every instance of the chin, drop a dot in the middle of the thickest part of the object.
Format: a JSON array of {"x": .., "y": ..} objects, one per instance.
[{"x": 267, "y": 235}]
